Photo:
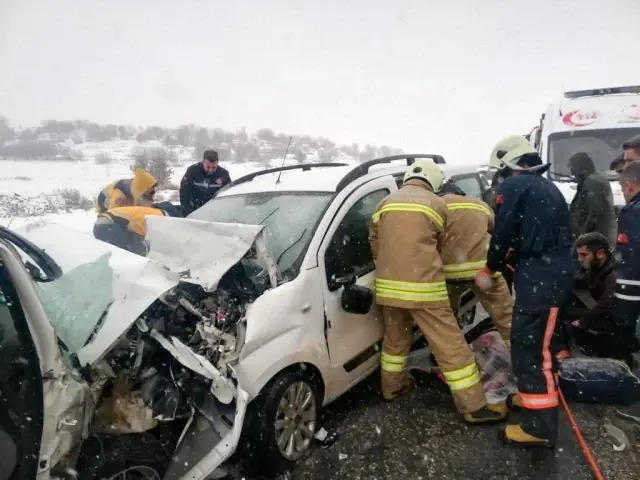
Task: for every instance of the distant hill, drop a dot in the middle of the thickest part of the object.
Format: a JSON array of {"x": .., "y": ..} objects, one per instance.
[{"x": 85, "y": 140}]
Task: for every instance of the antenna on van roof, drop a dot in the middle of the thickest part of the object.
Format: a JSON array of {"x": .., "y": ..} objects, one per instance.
[
  {"x": 284, "y": 159},
  {"x": 561, "y": 97}
]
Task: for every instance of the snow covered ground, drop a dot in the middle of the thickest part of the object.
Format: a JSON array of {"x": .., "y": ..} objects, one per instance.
[{"x": 37, "y": 184}]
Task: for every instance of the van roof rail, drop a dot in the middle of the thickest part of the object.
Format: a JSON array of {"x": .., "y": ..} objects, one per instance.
[
  {"x": 266, "y": 171},
  {"x": 596, "y": 92},
  {"x": 362, "y": 169}
]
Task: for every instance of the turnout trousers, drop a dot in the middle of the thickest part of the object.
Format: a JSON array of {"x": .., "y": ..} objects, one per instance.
[
  {"x": 454, "y": 357},
  {"x": 497, "y": 301},
  {"x": 542, "y": 287}
]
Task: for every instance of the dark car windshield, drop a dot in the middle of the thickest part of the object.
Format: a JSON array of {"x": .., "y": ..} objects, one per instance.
[
  {"x": 601, "y": 145},
  {"x": 290, "y": 219}
]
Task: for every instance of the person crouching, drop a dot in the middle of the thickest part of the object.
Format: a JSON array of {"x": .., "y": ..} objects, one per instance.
[{"x": 124, "y": 227}]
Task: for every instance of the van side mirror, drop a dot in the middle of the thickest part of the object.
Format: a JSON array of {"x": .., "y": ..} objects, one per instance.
[{"x": 356, "y": 299}]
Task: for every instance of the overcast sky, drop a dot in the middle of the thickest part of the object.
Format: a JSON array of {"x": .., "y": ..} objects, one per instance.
[{"x": 425, "y": 75}]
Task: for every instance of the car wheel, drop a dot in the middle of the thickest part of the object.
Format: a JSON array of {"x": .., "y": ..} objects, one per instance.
[
  {"x": 123, "y": 457},
  {"x": 283, "y": 420}
]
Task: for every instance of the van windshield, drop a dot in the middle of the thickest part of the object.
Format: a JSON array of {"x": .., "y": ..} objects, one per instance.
[
  {"x": 601, "y": 145},
  {"x": 290, "y": 220}
]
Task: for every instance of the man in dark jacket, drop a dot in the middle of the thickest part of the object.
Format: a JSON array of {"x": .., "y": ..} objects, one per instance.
[
  {"x": 532, "y": 218},
  {"x": 626, "y": 308},
  {"x": 592, "y": 307},
  {"x": 592, "y": 208},
  {"x": 202, "y": 181}
]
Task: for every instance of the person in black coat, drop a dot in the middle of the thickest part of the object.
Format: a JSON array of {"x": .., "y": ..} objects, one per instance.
[
  {"x": 532, "y": 220},
  {"x": 591, "y": 310},
  {"x": 626, "y": 309},
  {"x": 592, "y": 208},
  {"x": 202, "y": 181}
]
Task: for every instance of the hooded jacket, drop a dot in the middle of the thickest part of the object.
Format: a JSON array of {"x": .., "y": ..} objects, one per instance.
[
  {"x": 405, "y": 234},
  {"x": 592, "y": 208},
  {"x": 467, "y": 236},
  {"x": 125, "y": 192}
]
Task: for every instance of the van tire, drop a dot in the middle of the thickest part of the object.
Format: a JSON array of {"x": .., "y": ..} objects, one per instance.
[{"x": 260, "y": 448}]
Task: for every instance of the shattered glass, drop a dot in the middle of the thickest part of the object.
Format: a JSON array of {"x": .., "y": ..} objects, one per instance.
[{"x": 77, "y": 301}]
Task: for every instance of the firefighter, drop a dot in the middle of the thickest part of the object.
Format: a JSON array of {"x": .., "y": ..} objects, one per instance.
[
  {"x": 138, "y": 190},
  {"x": 406, "y": 232},
  {"x": 464, "y": 254},
  {"x": 124, "y": 227},
  {"x": 532, "y": 217}
]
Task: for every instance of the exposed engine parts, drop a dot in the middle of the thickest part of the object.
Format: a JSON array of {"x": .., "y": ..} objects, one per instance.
[{"x": 211, "y": 325}]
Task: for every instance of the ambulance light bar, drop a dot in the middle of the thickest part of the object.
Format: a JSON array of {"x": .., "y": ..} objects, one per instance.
[{"x": 602, "y": 91}]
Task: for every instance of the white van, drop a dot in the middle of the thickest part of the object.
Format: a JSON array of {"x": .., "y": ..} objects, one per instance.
[
  {"x": 244, "y": 321},
  {"x": 596, "y": 122}
]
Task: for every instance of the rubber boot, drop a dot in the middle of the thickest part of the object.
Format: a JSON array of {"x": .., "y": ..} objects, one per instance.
[
  {"x": 491, "y": 413},
  {"x": 407, "y": 386},
  {"x": 514, "y": 402},
  {"x": 514, "y": 435}
]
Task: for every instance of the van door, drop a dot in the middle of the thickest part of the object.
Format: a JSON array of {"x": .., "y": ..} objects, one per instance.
[
  {"x": 21, "y": 385},
  {"x": 352, "y": 338}
]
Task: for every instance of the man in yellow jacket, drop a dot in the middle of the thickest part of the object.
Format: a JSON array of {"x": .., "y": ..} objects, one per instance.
[
  {"x": 125, "y": 227},
  {"x": 406, "y": 233},
  {"x": 464, "y": 253},
  {"x": 127, "y": 192}
]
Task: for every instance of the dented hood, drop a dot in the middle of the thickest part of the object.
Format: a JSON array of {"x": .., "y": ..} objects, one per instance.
[
  {"x": 104, "y": 289},
  {"x": 202, "y": 252}
]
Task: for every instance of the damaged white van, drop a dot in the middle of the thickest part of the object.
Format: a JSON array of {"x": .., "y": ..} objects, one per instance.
[{"x": 244, "y": 321}]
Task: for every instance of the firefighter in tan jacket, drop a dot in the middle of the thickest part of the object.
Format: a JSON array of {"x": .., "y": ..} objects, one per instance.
[
  {"x": 405, "y": 235},
  {"x": 464, "y": 253}
]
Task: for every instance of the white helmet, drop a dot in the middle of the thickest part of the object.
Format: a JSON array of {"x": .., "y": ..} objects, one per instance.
[
  {"x": 425, "y": 169},
  {"x": 508, "y": 151}
]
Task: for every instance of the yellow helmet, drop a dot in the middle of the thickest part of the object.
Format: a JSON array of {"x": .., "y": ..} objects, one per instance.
[
  {"x": 426, "y": 170},
  {"x": 508, "y": 151}
]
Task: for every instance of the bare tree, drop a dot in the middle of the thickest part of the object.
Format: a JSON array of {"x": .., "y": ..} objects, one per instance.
[{"x": 157, "y": 161}]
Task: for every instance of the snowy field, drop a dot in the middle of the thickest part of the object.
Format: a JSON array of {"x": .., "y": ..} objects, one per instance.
[
  {"x": 36, "y": 181},
  {"x": 36, "y": 185}
]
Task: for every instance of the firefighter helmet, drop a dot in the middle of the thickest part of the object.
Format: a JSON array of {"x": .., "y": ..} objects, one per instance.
[
  {"x": 508, "y": 152},
  {"x": 426, "y": 170}
]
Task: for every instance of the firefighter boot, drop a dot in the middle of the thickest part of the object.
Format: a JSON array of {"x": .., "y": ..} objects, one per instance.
[
  {"x": 491, "y": 413},
  {"x": 407, "y": 385},
  {"x": 514, "y": 435},
  {"x": 514, "y": 402}
]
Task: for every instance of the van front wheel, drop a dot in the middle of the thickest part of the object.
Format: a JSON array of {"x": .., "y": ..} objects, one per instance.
[{"x": 283, "y": 420}]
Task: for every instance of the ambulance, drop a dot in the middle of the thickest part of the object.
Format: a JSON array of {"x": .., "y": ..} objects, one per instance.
[{"x": 596, "y": 122}]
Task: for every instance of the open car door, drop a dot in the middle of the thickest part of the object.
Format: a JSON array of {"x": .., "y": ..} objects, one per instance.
[
  {"x": 21, "y": 384},
  {"x": 42, "y": 407}
]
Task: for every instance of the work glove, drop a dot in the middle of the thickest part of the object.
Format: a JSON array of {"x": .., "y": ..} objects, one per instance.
[{"x": 484, "y": 279}]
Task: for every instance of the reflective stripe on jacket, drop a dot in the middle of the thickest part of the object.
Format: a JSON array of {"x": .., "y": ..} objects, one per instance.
[
  {"x": 467, "y": 236},
  {"x": 132, "y": 218},
  {"x": 404, "y": 233}
]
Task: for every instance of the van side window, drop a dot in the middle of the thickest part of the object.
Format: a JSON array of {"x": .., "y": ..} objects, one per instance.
[{"x": 349, "y": 251}]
